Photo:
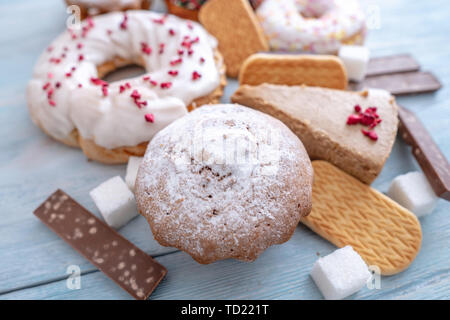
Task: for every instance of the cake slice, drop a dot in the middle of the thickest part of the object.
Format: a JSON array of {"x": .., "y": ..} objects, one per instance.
[{"x": 319, "y": 117}]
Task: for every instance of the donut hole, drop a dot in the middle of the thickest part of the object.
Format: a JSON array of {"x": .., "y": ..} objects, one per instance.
[{"x": 128, "y": 71}]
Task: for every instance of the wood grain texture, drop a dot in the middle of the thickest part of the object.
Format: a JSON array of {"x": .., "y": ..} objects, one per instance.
[{"x": 32, "y": 166}]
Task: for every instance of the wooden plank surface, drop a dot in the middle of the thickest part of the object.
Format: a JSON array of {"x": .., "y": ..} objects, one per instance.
[{"x": 34, "y": 260}]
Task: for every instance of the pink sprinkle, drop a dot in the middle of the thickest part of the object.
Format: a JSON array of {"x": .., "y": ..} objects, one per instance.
[
  {"x": 105, "y": 90},
  {"x": 149, "y": 117},
  {"x": 68, "y": 75},
  {"x": 123, "y": 24},
  {"x": 196, "y": 75},
  {"x": 159, "y": 21},
  {"x": 166, "y": 85},
  {"x": 146, "y": 78},
  {"x": 79, "y": 46},
  {"x": 190, "y": 26},
  {"x": 99, "y": 82},
  {"x": 371, "y": 134},
  {"x": 49, "y": 75},
  {"x": 176, "y": 61},
  {"x": 171, "y": 32},
  {"x": 80, "y": 85},
  {"x": 153, "y": 83},
  {"x": 51, "y": 102},
  {"x": 145, "y": 48},
  {"x": 45, "y": 87},
  {"x": 65, "y": 48},
  {"x": 74, "y": 36},
  {"x": 80, "y": 57},
  {"x": 109, "y": 32},
  {"x": 50, "y": 49},
  {"x": 202, "y": 60},
  {"x": 135, "y": 94},
  {"x": 49, "y": 93},
  {"x": 161, "y": 48},
  {"x": 173, "y": 73}
]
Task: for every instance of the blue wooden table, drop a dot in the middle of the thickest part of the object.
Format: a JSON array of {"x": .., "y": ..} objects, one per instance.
[{"x": 34, "y": 261}]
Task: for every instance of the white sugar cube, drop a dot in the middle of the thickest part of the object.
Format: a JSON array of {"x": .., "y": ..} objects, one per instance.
[
  {"x": 413, "y": 191},
  {"x": 340, "y": 273},
  {"x": 355, "y": 59},
  {"x": 132, "y": 169},
  {"x": 115, "y": 202}
]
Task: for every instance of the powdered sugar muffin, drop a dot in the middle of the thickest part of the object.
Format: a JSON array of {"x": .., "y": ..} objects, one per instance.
[{"x": 224, "y": 181}]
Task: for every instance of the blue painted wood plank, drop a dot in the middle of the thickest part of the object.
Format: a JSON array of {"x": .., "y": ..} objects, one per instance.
[{"x": 34, "y": 260}]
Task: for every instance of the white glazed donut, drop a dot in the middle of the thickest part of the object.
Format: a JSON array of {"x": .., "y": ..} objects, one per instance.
[
  {"x": 66, "y": 94},
  {"x": 318, "y": 26}
]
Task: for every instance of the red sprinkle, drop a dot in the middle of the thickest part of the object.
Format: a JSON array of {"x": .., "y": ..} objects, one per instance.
[
  {"x": 357, "y": 108},
  {"x": 51, "y": 102},
  {"x": 180, "y": 52},
  {"x": 68, "y": 75},
  {"x": 353, "y": 119},
  {"x": 99, "y": 82},
  {"x": 135, "y": 94},
  {"x": 146, "y": 78},
  {"x": 105, "y": 90},
  {"x": 123, "y": 25},
  {"x": 202, "y": 60},
  {"x": 161, "y": 48},
  {"x": 166, "y": 85},
  {"x": 57, "y": 85},
  {"x": 79, "y": 46},
  {"x": 371, "y": 134},
  {"x": 153, "y": 83},
  {"x": 196, "y": 75},
  {"x": 80, "y": 85},
  {"x": 145, "y": 48},
  {"x": 159, "y": 21},
  {"x": 171, "y": 32},
  {"x": 149, "y": 117},
  {"x": 176, "y": 61},
  {"x": 46, "y": 86},
  {"x": 80, "y": 57},
  {"x": 173, "y": 73},
  {"x": 190, "y": 52}
]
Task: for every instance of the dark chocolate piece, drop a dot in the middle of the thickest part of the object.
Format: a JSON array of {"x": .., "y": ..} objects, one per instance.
[
  {"x": 123, "y": 262},
  {"x": 433, "y": 163},
  {"x": 391, "y": 64},
  {"x": 400, "y": 83}
]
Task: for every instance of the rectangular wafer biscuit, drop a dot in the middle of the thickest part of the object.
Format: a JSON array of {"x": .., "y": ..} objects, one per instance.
[{"x": 294, "y": 69}]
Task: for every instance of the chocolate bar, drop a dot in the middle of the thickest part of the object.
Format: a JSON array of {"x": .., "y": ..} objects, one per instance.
[
  {"x": 123, "y": 262},
  {"x": 391, "y": 64},
  {"x": 433, "y": 163},
  {"x": 400, "y": 83}
]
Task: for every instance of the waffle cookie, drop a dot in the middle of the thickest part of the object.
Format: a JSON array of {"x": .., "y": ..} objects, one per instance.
[
  {"x": 294, "y": 69},
  {"x": 237, "y": 29},
  {"x": 348, "y": 212}
]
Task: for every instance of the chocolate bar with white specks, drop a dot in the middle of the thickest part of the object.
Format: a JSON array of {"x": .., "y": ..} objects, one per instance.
[{"x": 127, "y": 265}]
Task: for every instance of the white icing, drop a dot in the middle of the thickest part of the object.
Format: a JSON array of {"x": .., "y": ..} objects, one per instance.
[
  {"x": 115, "y": 120},
  {"x": 310, "y": 25}
]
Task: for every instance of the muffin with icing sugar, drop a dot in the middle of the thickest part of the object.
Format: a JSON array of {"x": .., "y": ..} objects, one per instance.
[{"x": 224, "y": 181}]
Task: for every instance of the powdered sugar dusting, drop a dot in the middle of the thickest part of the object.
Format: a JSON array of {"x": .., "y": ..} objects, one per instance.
[{"x": 224, "y": 181}]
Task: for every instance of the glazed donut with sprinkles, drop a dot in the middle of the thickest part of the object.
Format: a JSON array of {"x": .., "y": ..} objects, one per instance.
[
  {"x": 69, "y": 101},
  {"x": 318, "y": 26}
]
